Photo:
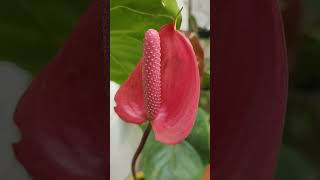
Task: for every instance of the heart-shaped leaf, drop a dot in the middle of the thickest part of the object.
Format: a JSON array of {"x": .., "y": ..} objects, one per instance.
[
  {"x": 129, "y": 19},
  {"x": 199, "y": 137},
  {"x": 171, "y": 162}
]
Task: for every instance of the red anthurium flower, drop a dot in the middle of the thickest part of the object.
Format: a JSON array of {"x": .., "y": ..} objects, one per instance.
[
  {"x": 63, "y": 115},
  {"x": 164, "y": 87},
  {"x": 250, "y": 89}
]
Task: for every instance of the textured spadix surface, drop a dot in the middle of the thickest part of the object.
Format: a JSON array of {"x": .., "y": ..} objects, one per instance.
[
  {"x": 179, "y": 85},
  {"x": 151, "y": 73},
  {"x": 63, "y": 114}
]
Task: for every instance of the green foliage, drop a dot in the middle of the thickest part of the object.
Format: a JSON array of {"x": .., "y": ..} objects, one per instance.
[
  {"x": 307, "y": 74},
  {"x": 301, "y": 131},
  {"x": 32, "y": 31},
  {"x": 292, "y": 166},
  {"x": 171, "y": 162},
  {"x": 129, "y": 19},
  {"x": 182, "y": 161},
  {"x": 199, "y": 137},
  {"x": 311, "y": 15}
]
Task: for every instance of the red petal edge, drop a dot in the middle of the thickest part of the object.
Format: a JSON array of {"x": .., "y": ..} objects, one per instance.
[
  {"x": 180, "y": 87},
  {"x": 129, "y": 98}
]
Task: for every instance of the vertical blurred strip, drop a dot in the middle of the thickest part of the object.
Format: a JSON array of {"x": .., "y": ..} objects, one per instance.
[
  {"x": 249, "y": 88},
  {"x": 62, "y": 116},
  {"x": 105, "y": 31}
]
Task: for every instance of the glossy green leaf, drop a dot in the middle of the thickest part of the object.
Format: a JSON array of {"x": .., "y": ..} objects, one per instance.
[
  {"x": 129, "y": 19},
  {"x": 199, "y": 137},
  {"x": 171, "y": 162},
  {"x": 31, "y": 32},
  {"x": 292, "y": 166}
]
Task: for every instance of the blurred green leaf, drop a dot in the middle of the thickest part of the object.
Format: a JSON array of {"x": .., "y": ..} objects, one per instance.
[
  {"x": 292, "y": 166},
  {"x": 199, "y": 137},
  {"x": 32, "y": 31},
  {"x": 306, "y": 75},
  {"x": 171, "y": 162},
  {"x": 311, "y": 16},
  {"x": 205, "y": 82},
  {"x": 129, "y": 19},
  {"x": 204, "y": 101}
]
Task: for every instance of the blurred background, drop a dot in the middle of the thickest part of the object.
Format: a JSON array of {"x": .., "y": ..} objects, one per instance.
[
  {"x": 32, "y": 31},
  {"x": 299, "y": 158},
  {"x": 300, "y": 155}
]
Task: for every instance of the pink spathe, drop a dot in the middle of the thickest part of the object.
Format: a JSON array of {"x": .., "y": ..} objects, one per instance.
[{"x": 164, "y": 87}]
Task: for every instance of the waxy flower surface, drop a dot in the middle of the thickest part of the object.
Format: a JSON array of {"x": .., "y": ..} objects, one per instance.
[{"x": 164, "y": 87}]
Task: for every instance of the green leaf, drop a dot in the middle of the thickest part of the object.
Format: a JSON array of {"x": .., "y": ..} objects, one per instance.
[
  {"x": 199, "y": 137},
  {"x": 292, "y": 166},
  {"x": 306, "y": 73},
  {"x": 32, "y": 31},
  {"x": 311, "y": 15},
  {"x": 171, "y": 162},
  {"x": 129, "y": 19}
]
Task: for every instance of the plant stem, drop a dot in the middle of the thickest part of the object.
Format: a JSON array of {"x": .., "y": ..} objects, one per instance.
[
  {"x": 139, "y": 149},
  {"x": 179, "y": 12}
]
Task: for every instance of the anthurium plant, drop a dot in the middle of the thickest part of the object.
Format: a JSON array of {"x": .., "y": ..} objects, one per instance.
[
  {"x": 160, "y": 88},
  {"x": 164, "y": 87},
  {"x": 62, "y": 115}
]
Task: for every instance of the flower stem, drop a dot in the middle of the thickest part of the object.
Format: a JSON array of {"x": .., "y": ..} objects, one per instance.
[
  {"x": 138, "y": 151},
  {"x": 179, "y": 12}
]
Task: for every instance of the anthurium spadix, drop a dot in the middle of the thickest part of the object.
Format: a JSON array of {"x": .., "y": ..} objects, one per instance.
[{"x": 164, "y": 87}]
